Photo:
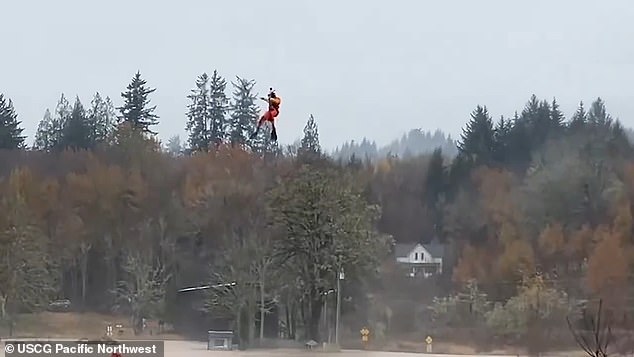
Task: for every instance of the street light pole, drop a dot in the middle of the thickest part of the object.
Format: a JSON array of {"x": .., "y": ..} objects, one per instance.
[
  {"x": 326, "y": 311},
  {"x": 339, "y": 278}
]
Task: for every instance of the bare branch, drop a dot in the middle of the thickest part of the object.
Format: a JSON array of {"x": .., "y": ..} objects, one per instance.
[
  {"x": 596, "y": 335},
  {"x": 144, "y": 290}
]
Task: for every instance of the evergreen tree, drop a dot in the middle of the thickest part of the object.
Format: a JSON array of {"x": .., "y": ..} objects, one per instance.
[
  {"x": 354, "y": 163},
  {"x": 537, "y": 117},
  {"x": 435, "y": 179},
  {"x": 174, "y": 146},
  {"x": 77, "y": 133},
  {"x": 10, "y": 131},
  {"x": 435, "y": 186},
  {"x": 218, "y": 108},
  {"x": 44, "y": 136},
  {"x": 244, "y": 114},
  {"x": 597, "y": 115},
  {"x": 198, "y": 115},
  {"x": 50, "y": 130},
  {"x": 101, "y": 118},
  {"x": 206, "y": 116},
  {"x": 501, "y": 135},
  {"x": 458, "y": 174},
  {"x": 272, "y": 149},
  {"x": 579, "y": 119},
  {"x": 544, "y": 124},
  {"x": 518, "y": 155},
  {"x": 309, "y": 147},
  {"x": 477, "y": 141},
  {"x": 136, "y": 110},
  {"x": 556, "y": 116},
  {"x": 531, "y": 110}
]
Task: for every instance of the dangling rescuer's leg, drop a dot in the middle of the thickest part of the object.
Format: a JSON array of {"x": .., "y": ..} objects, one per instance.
[
  {"x": 273, "y": 132},
  {"x": 270, "y": 117},
  {"x": 264, "y": 118},
  {"x": 273, "y": 115}
]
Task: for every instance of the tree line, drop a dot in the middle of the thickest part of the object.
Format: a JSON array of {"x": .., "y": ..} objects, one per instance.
[
  {"x": 538, "y": 211},
  {"x": 211, "y": 118}
]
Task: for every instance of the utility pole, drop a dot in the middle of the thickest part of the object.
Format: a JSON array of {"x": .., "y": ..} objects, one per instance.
[
  {"x": 340, "y": 277},
  {"x": 326, "y": 311}
]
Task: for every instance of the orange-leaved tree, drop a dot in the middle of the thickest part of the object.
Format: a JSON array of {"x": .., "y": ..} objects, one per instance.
[{"x": 608, "y": 267}]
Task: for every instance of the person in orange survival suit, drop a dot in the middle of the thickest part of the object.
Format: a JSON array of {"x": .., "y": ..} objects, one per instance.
[{"x": 274, "y": 109}]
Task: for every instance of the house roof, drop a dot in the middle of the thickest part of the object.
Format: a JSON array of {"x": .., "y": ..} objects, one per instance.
[
  {"x": 403, "y": 249},
  {"x": 436, "y": 250}
]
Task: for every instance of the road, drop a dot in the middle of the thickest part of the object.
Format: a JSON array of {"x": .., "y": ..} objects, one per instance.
[{"x": 195, "y": 349}]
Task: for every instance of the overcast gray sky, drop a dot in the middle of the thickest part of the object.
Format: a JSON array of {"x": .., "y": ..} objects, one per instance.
[{"x": 362, "y": 67}]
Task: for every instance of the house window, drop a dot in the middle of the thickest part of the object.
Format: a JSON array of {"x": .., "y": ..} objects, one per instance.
[{"x": 415, "y": 256}]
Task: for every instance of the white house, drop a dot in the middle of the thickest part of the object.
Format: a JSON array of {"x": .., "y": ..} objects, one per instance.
[{"x": 419, "y": 259}]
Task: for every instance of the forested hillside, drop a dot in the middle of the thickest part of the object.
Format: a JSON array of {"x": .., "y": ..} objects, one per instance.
[{"x": 538, "y": 206}]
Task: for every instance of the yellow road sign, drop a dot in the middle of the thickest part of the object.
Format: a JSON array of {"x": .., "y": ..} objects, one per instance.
[
  {"x": 364, "y": 334},
  {"x": 428, "y": 340}
]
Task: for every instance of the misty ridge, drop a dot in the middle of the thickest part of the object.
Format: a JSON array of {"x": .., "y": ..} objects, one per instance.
[{"x": 413, "y": 143}]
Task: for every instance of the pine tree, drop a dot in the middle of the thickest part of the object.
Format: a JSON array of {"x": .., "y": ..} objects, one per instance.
[
  {"x": 518, "y": 155},
  {"x": 77, "y": 133},
  {"x": 244, "y": 113},
  {"x": 543, "y": 122},
  {"x": 477, "y": 141},
  {"x": 101, "y": 119},
  {"x": 218, "y": 108},
  {"x": 136, "y": 110},
  {"x": 50, "y": 131},
  {"x": 579, "y": 119},
  {"x": 206, "y": 116},
  {"x": 531, "y": 109},
  {"x": 501, "y": 136},
  {"x": 598, "y": 115},
  {"x": 198, "y": 115},
  {"x": 309, "y": 148},
  {"x": 44, "y": 136},
  {"x": 10, "y": 132},
  {"x": 536, "y": 115},
  {"x": 174, "y": 147},
  {"x": 557, "y": 118},
  {"x": 272, "y": 149},
  {"x": 435, "y": 186}
]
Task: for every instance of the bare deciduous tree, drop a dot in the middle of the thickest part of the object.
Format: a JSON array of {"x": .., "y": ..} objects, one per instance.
[
  {"x": 144, "y": 288},
  {"x": 595, "y": 334}
]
